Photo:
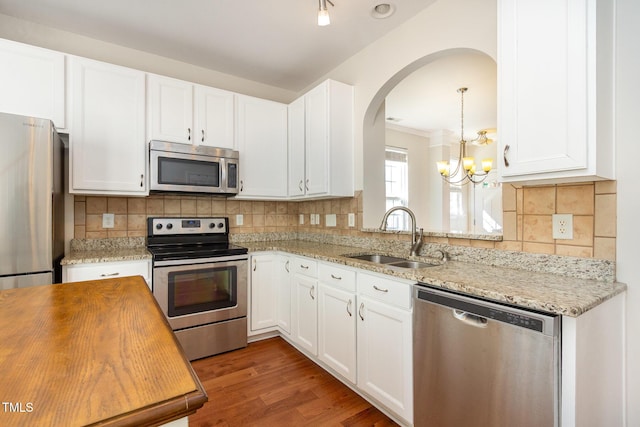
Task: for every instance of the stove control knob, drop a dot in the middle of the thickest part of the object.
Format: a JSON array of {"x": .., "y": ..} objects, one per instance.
[
  {"x": 169, "y": 226},
  {"x": 158, "y": 226},
  {"x": 212, "y": 225},
  {"x": 220, "y": 224}
]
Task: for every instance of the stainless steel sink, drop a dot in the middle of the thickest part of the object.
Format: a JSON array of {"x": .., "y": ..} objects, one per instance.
[
  {"x": 410, "y": 264},
  {"x": 377, "y": 258},
  {"x": 392, "y": 261}
]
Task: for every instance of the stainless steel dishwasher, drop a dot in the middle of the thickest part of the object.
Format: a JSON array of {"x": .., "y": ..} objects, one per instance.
[{"x": 478, "y": 363}]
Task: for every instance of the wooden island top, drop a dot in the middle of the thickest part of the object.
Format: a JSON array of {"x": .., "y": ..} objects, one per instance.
[{"x": 98, "y": 352}]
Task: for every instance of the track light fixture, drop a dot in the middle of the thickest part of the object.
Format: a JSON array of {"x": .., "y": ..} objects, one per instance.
[{"x": 323, "y": 12}]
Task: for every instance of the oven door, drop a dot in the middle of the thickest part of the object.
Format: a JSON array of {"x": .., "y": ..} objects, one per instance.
[{"x": 202, "y": 291}]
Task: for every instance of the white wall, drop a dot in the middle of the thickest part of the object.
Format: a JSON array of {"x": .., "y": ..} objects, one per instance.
[{"x": 628, "y": 151}]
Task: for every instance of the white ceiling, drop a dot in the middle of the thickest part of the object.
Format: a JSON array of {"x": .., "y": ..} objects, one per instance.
[{"x": 275, "y": 42}]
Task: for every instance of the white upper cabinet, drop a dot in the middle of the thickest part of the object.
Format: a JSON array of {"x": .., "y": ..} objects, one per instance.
[
  {"x": 107, "y": 141},
  {"x": 262, "y": 143},
  {"x": 555, "y": 96},
  {"x": 181, "y": 111},
  {"x": 32, "y": 82},
  {"x": 321, "y": 142}
]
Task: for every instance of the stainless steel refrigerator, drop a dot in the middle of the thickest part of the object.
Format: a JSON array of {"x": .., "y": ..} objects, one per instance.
[{"x": 31, "y": 202}]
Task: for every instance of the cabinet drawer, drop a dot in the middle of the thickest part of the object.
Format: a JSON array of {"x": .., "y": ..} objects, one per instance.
[
  {"x": 388, "y": 290},
  {"x": 107, "y": 270},
  {"x": 305, "y": 266},
  {"x": 339, "y": 277}
]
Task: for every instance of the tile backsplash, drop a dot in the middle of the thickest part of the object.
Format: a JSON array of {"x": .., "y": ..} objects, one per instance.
[{"x": 527, "y": 217}]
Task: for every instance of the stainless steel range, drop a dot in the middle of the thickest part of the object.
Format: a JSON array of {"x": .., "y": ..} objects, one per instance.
[{"x": 200, "y": 282}]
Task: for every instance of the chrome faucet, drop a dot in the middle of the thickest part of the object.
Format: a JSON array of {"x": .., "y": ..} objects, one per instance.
[{"x": 416, "y": 243}]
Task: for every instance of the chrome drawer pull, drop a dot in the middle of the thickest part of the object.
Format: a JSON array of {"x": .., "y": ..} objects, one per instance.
[
  {"x": 360, "y": 311},
  {"x": 306, "y": 267},
  {"x": 109, "y": 274},
  {"x": 349, "y": 308},
  {"x": 286, "y": 266},
  {"x": 254, "y": 265},
  {"x": 311, "y": 292},
  {"x": 336, "y": 277},
  {"x": 379, "y": 289},
  {"x": 189, "y": 134},
  {"x": 202, "y": 135}
]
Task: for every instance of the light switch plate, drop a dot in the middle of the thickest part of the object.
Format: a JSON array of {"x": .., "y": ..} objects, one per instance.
[
  {"x": 239, "y": 219},
  {"x": 301, "y": 219},
  {"x": 351, "y": 219},
  {"x": 312, "y": 219},
  {"x": 562, "y": 226},
  {"x": 108, "y": 220},
  {"x": 330, "y": 220}
]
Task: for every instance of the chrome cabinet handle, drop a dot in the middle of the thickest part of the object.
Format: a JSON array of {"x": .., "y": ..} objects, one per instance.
[
  {"x": 241, "y": 185},
  {"x": 141, "y": 180},
  {"x": 311, "y": 292},
  {"x": 286, "y": 266},
  {"x": 202, "y": 135},
  {"x": 254, "y": 265},
  {"x": 349, "y": 308},
  {"x": 306, "y": 267},
  {"x": 189, "y": 134},
  {"x": 109, "y": 274},
  {"x": 336, "y": 277},
  {"x": 506, "y": 151},
  {"x": 380, "y": 289},
  {"x": 360, "y": 311},
  {"x": 300, "y": 186},
  {"x": 306, "y": 185}
]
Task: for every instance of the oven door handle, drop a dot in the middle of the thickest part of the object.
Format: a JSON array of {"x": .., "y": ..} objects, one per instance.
[{"x": 210, "y": 260}]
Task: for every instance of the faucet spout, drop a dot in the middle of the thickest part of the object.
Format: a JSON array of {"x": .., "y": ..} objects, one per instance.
[{"x": 415, "y": 243}]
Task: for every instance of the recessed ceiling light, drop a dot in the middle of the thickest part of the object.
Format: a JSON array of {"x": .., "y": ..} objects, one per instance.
[{"x": 383, "y": 10}]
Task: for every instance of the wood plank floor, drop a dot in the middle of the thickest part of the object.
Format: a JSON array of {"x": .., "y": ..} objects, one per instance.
[{"x": 270, "y": 383}]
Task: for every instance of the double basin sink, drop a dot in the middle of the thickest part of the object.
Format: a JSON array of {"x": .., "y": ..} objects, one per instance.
[{"x": 391, "y": 261}]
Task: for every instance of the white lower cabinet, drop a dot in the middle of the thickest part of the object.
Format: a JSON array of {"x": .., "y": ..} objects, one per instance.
[
  {"x": 263, "y": 291},
  {"x": 304, "y": 304},
  {"x": 107, "y": 270},
  {"x": 385, "y": 342},
  {"x": 337, "y": 320},
  {"x": 356, "y": 324}
]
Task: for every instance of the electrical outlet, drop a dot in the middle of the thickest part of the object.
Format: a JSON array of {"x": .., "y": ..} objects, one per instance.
[
  {"x": 312, "y": 219},
  {"x": 108, "y": 220},
  {"x": 239, "y": 219},
  {"x": 351, "y": 219},
  {"x": 563, "y": 226},
  {"x": 301, "y": 219}
]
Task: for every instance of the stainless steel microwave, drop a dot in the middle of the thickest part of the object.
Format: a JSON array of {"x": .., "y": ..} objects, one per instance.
[{"x": 186, "y": 168}]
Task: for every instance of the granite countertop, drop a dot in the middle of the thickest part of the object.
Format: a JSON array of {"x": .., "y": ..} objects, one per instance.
[
  {"x": 92, "y": 353},
  {"x": 549, "y": 292},
  {"x": 568, "y": 296}
]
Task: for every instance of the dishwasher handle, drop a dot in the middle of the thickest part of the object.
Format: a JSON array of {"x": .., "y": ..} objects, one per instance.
[{"x": 470, "y": 319}]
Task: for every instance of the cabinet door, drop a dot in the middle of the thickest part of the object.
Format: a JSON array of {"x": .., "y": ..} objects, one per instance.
[
  {"x": 554, "y": 97},
  {"x": 263, "y": 291},
  {"x": 170, "y": 108},
  {"x": 305, "y": 312},
  {"x": 296, "y": 148},
  {"x": 107, "y": 139},
  {"x": 262, "y": 143},
  {"x": 385, "y": 368},
  {"x": 317, "y": 144},
  {"x": 337, "y": 330},
  {"x": 32, "y": 82},
  {"x": 283, "y": 285},
  {"x": 214, "y": 117}
]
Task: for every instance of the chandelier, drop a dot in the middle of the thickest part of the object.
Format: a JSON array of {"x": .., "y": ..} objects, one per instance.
[{"x": 465, "y": 170}]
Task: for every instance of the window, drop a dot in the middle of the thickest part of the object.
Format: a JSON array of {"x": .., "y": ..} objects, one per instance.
[{"x": 396, "y": 183}]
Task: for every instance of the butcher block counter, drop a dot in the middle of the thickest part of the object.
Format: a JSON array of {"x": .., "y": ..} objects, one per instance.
[{"x": 84, "y": 353}]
